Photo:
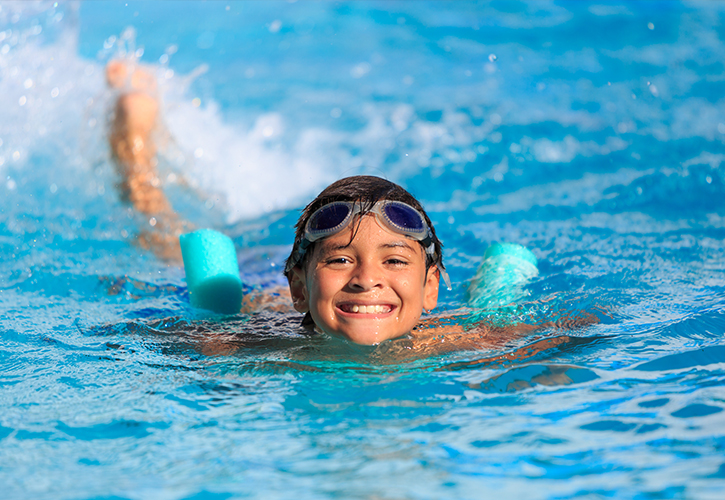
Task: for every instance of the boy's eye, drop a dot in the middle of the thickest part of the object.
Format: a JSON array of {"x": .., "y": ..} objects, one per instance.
[
  {"x": 338, "y": 260},
  {"x": 396, "y": 262}
]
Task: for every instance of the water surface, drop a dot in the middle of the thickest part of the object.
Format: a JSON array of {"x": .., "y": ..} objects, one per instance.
[{"x": 592, "y": 133}]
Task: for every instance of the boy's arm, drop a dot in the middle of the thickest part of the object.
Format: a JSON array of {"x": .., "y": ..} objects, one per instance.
[
  {"x": 131, "y": 139},
  {"x": 445, "y": 333}
]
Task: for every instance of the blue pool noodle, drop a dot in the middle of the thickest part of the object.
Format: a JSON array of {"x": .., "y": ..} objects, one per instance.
[
  {"x": 212, "y": 271},
  {"x": 501, "y": 278}
]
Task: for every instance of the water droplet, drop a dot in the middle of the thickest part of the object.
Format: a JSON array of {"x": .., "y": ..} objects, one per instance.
[
  {"x": 275, "y": 26},
  {"x": 108, "y": 44},
  {"x": 360, "y": 70}
]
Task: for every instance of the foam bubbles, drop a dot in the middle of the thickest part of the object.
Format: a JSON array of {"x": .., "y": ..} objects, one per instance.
[
  {"x": 254, "y": 170},
  {"x": 42, "y": 85}
]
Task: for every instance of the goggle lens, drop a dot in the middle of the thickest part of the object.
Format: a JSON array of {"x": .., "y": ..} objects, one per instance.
[
  {"x": 404, "y": 217},
  {"x": 329, "y": 218}
]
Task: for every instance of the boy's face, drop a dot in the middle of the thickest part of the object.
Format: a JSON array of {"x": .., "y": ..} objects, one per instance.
[{"x": 367, "y": 291}]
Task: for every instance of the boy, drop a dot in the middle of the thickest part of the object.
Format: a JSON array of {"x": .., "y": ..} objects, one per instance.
[{"x": 366, "y": 262}]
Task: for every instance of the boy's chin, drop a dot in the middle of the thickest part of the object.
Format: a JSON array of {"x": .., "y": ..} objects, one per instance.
[{"x": 367, "y": 337}]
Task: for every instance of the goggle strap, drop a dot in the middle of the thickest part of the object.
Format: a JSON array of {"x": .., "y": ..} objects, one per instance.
[{"x": 444, "y": 275}]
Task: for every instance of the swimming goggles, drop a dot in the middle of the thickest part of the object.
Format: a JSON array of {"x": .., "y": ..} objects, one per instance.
[{"x": 395, "y": 215}]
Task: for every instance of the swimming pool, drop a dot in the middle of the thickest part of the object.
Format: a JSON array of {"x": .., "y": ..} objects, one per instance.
[{"x": 592, "y": 133}]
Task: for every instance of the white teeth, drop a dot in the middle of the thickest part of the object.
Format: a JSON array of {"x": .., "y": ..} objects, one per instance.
[{"x": 373, "y": 309}]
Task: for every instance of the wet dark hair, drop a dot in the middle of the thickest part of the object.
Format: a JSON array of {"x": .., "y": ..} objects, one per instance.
[{"x": 367, "y": 190}]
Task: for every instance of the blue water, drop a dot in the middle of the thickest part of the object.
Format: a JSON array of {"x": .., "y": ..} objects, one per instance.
[{"x": 592, "y": 133}]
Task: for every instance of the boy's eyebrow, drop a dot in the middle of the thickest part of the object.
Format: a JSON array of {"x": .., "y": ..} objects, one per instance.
[
  {"x": 397, "y": 244},
  {"x": 328, "y": 249}
]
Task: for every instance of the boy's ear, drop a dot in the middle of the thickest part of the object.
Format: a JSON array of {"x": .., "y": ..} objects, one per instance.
[
  {"x": 298, "y": 290},
  {"x": 430, "y": 288}
]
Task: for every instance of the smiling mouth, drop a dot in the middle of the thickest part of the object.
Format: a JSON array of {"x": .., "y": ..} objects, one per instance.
[{"x": 363, "y": 309}]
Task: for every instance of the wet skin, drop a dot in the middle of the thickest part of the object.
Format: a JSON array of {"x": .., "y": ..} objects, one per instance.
[{"x": 369, "y": 290}]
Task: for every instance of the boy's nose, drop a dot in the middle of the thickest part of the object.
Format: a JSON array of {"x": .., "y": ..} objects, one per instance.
[{"x": 366, "y": 277}]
